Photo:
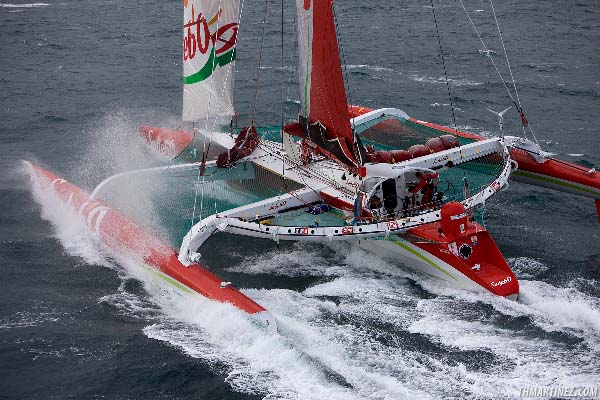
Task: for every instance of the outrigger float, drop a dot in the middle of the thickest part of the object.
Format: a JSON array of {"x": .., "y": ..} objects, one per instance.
[
  {"x": 124, "y": 237},
  {"x": 334, "y": 174},
  {"x": 535, "y": 166}
]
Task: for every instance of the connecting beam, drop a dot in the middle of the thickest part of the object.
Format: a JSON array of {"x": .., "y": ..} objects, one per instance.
[{"x": 259, "y": 210}]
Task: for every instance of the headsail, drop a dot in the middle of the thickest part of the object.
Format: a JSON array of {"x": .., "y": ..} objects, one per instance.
[
  {"x": 322, "y": 93},
  {"x": 209, "y": 46}
]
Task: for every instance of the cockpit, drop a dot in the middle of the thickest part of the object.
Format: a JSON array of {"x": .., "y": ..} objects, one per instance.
[{"x": 411, "y": 191}]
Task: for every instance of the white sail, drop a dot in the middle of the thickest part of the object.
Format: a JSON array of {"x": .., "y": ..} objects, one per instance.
[
  {"x": 291, "y": 150},
  {"x": 209, "y": 45},
  {"x": 304, "y": 12}
]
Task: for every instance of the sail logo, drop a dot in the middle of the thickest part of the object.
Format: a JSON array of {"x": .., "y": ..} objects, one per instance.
[{"x": 205, "y": 38}]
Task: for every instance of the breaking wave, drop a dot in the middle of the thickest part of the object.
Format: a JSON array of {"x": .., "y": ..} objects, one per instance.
[
  {"x": 26, "y": 5},
  {"x": 369, "y": 67},
  {"x": 442, "y": 80}
]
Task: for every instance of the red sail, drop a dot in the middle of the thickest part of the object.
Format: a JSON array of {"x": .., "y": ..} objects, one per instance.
[{"x": 321, "y": 82}]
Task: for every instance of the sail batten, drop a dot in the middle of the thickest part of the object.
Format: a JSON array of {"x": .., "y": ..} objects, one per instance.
[{"x": 210, "y": 31}]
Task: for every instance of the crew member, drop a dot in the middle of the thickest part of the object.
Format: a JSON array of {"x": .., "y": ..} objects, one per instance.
[{"x": 425, "y": 185}]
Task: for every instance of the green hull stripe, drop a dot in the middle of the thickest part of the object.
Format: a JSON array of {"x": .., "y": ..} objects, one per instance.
[
  {"x": 422, "y": 257},
  {"x": 210, "y": 66},
  {"x": 170, "y": 280},
  {"x": 558, "y": 182}
]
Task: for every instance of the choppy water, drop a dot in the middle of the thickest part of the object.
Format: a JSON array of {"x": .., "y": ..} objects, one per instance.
[{"x": 78, "y": 77}]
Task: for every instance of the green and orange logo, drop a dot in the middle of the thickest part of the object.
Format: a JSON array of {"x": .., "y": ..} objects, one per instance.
[{"x": 199, "y": 39}]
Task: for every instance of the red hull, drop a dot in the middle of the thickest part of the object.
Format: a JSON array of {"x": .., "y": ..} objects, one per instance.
[
  {"x": 551, "y": 173},
  {"x": 474, "y": 254},
  {"x": 169, "y": 143},
  {"x": 123, "y": 236},
  {"x": 469, "y": 249}
]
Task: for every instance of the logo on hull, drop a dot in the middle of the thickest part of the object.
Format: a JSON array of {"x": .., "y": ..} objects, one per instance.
[
  {"x": 502, "y": 282},
  {"x": 165, "y": 147},
  {"x": 93, "y": 216}
]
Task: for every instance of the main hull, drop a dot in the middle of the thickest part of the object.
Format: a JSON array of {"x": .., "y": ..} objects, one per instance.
[
  {"x": 485, "y": 270},
  {"x": 426, "y": 250},
  {"x": 124, "y": 237}
]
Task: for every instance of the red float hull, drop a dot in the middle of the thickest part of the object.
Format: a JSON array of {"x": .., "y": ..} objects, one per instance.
[
  {"x": 549, "y": 172},
  {"x": 169, "y": 143},
  {"x": 123, "y": 236},
  {"x": 474, "y": 254}
]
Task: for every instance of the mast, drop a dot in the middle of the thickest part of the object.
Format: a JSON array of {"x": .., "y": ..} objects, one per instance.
[
  {"x": 210, "y": 31},
  {"x": 324, "y": 117}
]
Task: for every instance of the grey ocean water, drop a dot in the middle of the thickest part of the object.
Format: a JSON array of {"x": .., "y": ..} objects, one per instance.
[{"x": 78, "y": 77}]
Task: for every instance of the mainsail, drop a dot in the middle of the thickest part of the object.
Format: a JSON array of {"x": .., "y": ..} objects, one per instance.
[
  {"x": 322, "y": 93},
  {"x": 209, "y": 45}
]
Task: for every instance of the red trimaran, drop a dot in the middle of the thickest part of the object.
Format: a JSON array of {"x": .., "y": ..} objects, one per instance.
[{"x": 333, "y": 180}]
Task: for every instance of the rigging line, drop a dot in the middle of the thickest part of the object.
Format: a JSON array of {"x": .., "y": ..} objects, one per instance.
[
  {"x": 230, "y": 69},
  {"x": 204, "y": 150},
  {"x": 204, "y": 147},
  {"x": 212, "y": 79},
  {"x": 295, "y": 195},
  {"x": 443, "y": 64},
  {"x": 292, "y": 52},
  {"x": 573, "y": 166},
  {"x": 520, "y": 109},
  {"x": 227, "y": 76},
  {"x": 220, "y": 99},
  {"x": 488, "y": 54},
  {"x": 260, "y": 54},
  {"x": 283, "y": 102},
  {"x": 506, "y": 54},
  {"x": 194, "y": 209},
  {"x": 303, "y": 178},
  {"x": 287, "y": 160},
  {"x": 282, "y": 71},
  {"x": 293, "y": 48},
  {"x": 318, "y": 176}
]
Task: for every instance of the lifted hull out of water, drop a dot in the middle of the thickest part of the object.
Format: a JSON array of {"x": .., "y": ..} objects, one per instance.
[
  {"x": 535, "y": 167},
  {"x": 169, "y": 143},
  {"x": 124, "y": 237}
]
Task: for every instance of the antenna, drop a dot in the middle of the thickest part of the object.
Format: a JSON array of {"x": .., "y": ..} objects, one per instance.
[{"x": 500, "y": 116}]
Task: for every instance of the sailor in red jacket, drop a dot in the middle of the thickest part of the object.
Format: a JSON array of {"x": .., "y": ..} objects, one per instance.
[{"x": 426, "y": 185}]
